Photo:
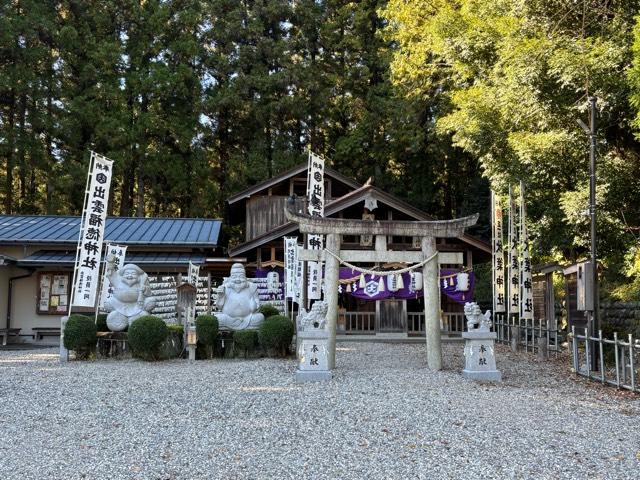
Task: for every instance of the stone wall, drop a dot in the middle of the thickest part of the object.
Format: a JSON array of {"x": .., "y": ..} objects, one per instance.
[{"x": 621, "y": 317}]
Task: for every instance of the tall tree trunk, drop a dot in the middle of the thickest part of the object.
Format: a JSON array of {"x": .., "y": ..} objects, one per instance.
[
  {"x": 8, "y": 199},
  {"x": 223, "y": 156},
  {"x": 269, "y": 149},
  {"x": 141, "y": 157},
  {"x": 22, "y": 163}
]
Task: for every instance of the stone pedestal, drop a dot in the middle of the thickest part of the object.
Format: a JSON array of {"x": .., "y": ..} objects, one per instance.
[
  {"x": 313, "y": 356},
  {"x": 480, "y": 362}
]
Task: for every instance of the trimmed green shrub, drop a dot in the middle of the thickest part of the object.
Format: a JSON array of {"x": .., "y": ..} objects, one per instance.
[
  {"x": 275, "y": 335},
  {"x": 176, "y": 327},
  {"x": 101, "y": 322},
  {"x": 245, "y": 341},
  {"x": 146, "y": 335},
  {"x": 268, "y": 310},
  {"x": 81, "y": 336},
  {"x": 207, "y": 331}
]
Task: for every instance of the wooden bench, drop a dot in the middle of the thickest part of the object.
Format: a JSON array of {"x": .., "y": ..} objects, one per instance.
[
  {"x": 5, "y": 332},
  {"x": 41, "y": 332}
]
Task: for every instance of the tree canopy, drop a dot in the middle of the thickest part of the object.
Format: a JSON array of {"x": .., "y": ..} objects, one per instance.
[
  {"x": 515, "y": 76},
  {"x": 435, "y": 99}
]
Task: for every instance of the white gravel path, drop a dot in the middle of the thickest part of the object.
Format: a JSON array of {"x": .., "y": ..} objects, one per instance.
[{"x": 383, "y": 416}]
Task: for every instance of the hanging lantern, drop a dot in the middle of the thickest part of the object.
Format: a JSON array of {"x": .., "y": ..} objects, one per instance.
[
  {"x": 400, "y": 282},
  {"x": 416, "y": 282},
  {"x": 392, "y": 282},
  {"x": 273, "y": 282},
  {"x": 381, "y": 284},
  {"x": 362, "y": 283},
  {"x": 462, "y": 280}
]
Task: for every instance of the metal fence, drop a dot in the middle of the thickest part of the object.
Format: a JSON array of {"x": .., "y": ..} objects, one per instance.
[
  {"x": 529, "y": 335},
  {"x": 616, "y": 362}
]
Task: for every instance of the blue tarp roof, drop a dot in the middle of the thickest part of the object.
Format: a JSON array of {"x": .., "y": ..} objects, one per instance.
[
  {"x": 143, "y": 259},
  {"x": 52, "y": 229}
]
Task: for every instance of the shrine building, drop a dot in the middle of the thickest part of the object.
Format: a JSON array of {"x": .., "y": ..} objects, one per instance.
[{"x": 259, "y": 210}]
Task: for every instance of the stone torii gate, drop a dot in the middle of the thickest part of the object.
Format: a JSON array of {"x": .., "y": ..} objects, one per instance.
[{"x": 427, "y": 231}]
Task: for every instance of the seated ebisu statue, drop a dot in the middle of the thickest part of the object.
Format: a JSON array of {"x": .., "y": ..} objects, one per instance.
[
  {"x": 238, "y": 301},
  {"x": 132, "y": 297}
]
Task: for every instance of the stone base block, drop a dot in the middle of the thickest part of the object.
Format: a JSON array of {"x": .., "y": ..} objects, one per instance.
[
  {"x": 313, "y": 375},
  {"x": 483, "y": 376}
]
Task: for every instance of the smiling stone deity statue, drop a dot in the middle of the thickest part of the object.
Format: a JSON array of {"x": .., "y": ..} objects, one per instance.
[
  {"x": 238, "y": 302},
  {"x": 131, "y": 298}
]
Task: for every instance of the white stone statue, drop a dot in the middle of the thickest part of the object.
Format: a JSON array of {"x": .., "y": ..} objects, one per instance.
[
  {"x": 131, "y": 298},
  {"x": 476, "y": 317},
  {"x": 316, "y": 318},
  {"x": 238, "y": 302}
]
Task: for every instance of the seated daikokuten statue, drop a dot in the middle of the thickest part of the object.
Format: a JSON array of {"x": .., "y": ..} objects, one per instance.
[
  {"x": 131, "y": 298},
  {"x": 238, "y": 302}
]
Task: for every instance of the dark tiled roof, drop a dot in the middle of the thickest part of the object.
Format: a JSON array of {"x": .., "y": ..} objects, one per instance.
[
  {"x": 144, "y": 259},
  {"x": 51, "y": 229}
]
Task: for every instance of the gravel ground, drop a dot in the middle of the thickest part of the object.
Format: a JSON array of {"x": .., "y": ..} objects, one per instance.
[{"x": 383, "y": 416}]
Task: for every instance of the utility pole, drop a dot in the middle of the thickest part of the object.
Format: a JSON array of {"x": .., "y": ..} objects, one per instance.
[{"x": 591, "y": 131}]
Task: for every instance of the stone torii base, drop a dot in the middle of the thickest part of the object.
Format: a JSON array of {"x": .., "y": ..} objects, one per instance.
[{"x": 428, "y": 231}]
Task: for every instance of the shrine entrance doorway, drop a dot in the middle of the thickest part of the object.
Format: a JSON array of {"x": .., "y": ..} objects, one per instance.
[{"x": 392, "y": 316}]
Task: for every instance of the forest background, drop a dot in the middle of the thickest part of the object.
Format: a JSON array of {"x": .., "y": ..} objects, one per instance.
[{"x": 437, "y": 100}]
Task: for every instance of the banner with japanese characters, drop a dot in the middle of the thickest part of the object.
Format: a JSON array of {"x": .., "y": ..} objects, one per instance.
[
  {"x": 290, "y": 264},
  {"x": 514, "y": 264},
  {"x": 315, "y": 198},
  {"x": 298, "y": 288},
  {"x": 498, "y": 255},
  {"x": 92, "y": 225},
  {"x": 117, "y": 253},
  {"x": 192, "y": 276},
  {"x": 526, "y": 278}
]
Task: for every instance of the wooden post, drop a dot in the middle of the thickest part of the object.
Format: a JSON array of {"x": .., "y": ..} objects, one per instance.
[
  {"x": 431, "y": 304},
  {"x": 331, "y": 280}
]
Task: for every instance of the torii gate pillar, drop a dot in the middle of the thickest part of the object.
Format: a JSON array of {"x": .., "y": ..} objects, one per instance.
[
  {"x": 332, "y": 277},
  {"x": 431, "y": 304}
]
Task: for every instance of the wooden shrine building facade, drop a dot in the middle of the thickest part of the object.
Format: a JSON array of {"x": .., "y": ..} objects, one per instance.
[{"x": 259, "y": 210}]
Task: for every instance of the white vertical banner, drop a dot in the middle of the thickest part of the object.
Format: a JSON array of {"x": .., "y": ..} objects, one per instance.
[
  {"x": 514, "y": 264},
  {"x": 526, "y": 278},
  {"x": 315, "y": 198},
  {"x": 290, "y": 265},
  {"x": 498, "y": 255},
  {"x": 192, "y": 276},
  {"x": 87, "y": 267},
  {"x": 118, "y": 254},
  {"x": 298, "y": 288}
]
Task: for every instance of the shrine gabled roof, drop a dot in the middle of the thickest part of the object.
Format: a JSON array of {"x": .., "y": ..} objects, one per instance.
[
  {"x": 292, "y": 172},
  {"x": 56, "y": 229},
  {"x": 352, "y": 198}
]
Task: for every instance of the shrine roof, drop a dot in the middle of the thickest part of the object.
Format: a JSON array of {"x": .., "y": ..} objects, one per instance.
[
  {"x": 352, "y": 198},
  {"x": 292, "y": 172},
  {"x": 56, "y": 229}
]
